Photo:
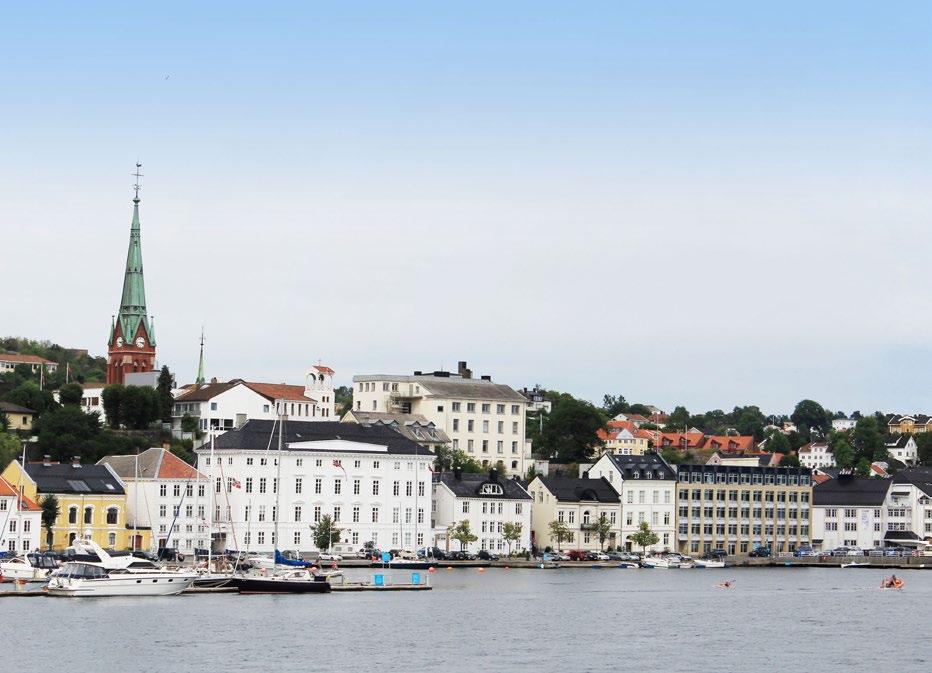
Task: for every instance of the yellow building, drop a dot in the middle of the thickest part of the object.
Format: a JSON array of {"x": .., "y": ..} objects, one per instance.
[
  {"x": 17, "y": 417},
  {"x": 908, "y": 424},
  {"x": 91, "y": 501}
]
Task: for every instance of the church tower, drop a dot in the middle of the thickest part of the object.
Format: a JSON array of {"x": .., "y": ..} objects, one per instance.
[{"x": 131, "y": 347}]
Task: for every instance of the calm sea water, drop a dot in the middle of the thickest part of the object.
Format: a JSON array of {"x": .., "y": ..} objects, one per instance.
[{"x": 500, "y": 620}]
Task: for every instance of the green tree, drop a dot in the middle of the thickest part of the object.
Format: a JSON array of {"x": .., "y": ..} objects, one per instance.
[
  {"x": 603, "y": 527},
  {"x": 452, "y": 459},
  {"x": 325, "y": 533},
  {"x": 924, "y": 447},
  {"x": 867, "y": 441},
  {"x": 163, "y": 395},
  {"x": 672, "y": 456},
  {"x": 184, "y": 449},
  {"x": 511, "y": 533},
  {"x": 789, "y": 460},
  {"x": 678, "y": 420},
  {"x": 10, "y": 448},
  {"x": 189, "y": 423},
  {"x": 70, "y": 393},
  {"x": 644, "y": 537},
  {"x": 343, "y": 399},
  {"x": 560, "y": 533},
  {"x": 570, "y": 429},
  {"x": 778, "y": 443},
  {"x": 66, "y": 432},
  {"x": 841, "y": 450},
  {"x": 638, "y": 408},
  {"x": 140, "y": 407},
  {"x": 462, "y": 534},
  {"x": 50, "y": 512},
  {"x": 810, "y": 415},
  {"x": 29, "y": 395},
  {"x": 614, "y": 405},
  {"x": 112, "y": 397}
]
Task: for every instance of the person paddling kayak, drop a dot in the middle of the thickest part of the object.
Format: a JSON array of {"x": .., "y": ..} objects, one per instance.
[{"x": 892, "y": 582}]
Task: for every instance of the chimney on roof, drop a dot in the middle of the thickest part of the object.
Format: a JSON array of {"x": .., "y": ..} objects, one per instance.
[
  {"x": 213, "y": 379},
  {"x": 585, "y": 474},
  {"x": 485, "y": 377},
  {"x": 46, "y": 460},
  {"x": 457, "y": 472},
  {"x": 75, "y": 461},
  {"x": 493, "y": 474},
  {"x": 418, "y": 372},
  {"x": 464, "y": 371}
]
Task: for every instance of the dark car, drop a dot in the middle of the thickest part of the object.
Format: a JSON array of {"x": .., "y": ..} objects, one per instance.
[
  {"x": 616, "y": 556},
  {"x": 717, "y": 553},
  {"x": 484, "y": 555},
  {"x": 761, "y": 552},
  {"x": 170, "y": 554}
]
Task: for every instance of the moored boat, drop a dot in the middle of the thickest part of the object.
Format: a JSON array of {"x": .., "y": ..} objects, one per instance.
[
  {"x": 19, "y": 569},
  {"x": 708, "y": 563},
  {"x": 287, "y": 582}
]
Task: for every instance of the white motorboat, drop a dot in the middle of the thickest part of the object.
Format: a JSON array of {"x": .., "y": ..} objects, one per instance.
[
  {"x": 115, "y": 576},
  {"x": 19, "y": 569},
  {"x": 708, "y": 563},
  {"x": 654, "y": 562}
]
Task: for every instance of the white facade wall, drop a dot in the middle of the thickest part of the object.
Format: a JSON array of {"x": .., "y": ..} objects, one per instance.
[
  {"x": 842, "y": 424},
  {"x": 908, "y": 454},
  {"x": 488, "y": 430},
  {"x": 361, "y": 497},
  {"x": 20, "y": 531},
  {"x": 152, "y": 503},
  {"x": 853, "y": 526},
  {"x": 650, "y": 500},
  {"x": 486, "y": 517},
  {"x": 818, "y": 455},
  {"x": 908, "y": 508}
]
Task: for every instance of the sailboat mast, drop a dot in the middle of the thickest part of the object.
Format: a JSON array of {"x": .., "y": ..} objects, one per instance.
[
  {"x": 136, "y": 503},
  {"x": 278, "y": 475},
  {"x": 210, "y": 503}
]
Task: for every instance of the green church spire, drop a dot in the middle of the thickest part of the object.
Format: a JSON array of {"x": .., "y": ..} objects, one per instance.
[
  {"x": 133, "y": 303},
  {"x": 200, "y": 363}
]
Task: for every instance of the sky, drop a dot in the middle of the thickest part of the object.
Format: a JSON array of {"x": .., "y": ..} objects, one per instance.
[{"x": 707, "y": 204}]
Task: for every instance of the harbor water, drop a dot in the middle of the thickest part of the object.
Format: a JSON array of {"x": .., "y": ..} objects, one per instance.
[{"x": 577, "y": 620}]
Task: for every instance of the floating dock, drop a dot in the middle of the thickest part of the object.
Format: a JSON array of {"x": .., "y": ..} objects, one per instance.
[{"x": 366, "y": 586}]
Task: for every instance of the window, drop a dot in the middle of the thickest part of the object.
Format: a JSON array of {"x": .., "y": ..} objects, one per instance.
[
  {"x": 163, "y": 490},
  {"x": 456, "y": 406},
  {"x": 72, "y": 515},
  {"x": 470, "y": 425},
  {"x": 111, "y": 539},
  {"x": 515, "y": 409},
  {"x": 336, "y": 513},
  {"x": 356, "y": 486},
  {"x": 466, "y": 509},
  {"x": 176, "y": 490},
  {"x": 471, "y": 407},
  {"x": 409, "y": 489},
  {"x": 396, "y": 488},
  {"x": 355, "y": 514},
  {"x": 337, "y": 486},
  {"x": 112, "y": 514},
  {"x": 260, "y": 537},
  {"x": 456, "y": 425},
  {"x": 262, "y": 484},
  {"x": 375, "y": 514},
  {"x": 88, "y": 514},
  {"x": 249, "y": 484},
  {"x": 297, "y": 538},
  {"x": 375, "y": 487},
  {"x": 297, "y": 513},
  {"x": 299, "y": 483}
]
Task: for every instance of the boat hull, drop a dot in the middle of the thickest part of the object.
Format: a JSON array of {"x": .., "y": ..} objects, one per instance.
[
  {"x": 272, "y": 585},
  {"x": 128, "y": 585},
  {"x": 404, "y": 565}
]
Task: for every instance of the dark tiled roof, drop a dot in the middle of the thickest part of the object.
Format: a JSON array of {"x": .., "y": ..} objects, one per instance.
[
  {"x": 846, "y": 490},
  {"x": 204, "y": 392},
  {"x": 256, "y": 434},
  {"x": 920, "y": 477},
  {"x": 413, "y": 426},
  {"x": 568, "y": 489},
  {"x": 10, "y": 408},
  {"x": 638, "y": 467},
  {"x": 65, "y": 478},
  {"x": 470, "y": 486},
  {"x": 899, "y": 442}
]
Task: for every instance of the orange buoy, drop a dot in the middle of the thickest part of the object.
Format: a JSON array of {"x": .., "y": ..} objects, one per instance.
[
  {"x": 482, "y": 570},
  {"x": 431, "y": 570}
]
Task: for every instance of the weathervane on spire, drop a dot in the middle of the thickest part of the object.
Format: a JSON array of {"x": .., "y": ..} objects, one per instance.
[{"x": 136, "y": 186}]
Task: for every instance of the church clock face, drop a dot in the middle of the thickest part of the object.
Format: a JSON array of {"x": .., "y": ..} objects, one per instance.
[
  {"x": 140, "y": 342},
  {"x": 119, "y": 342}
]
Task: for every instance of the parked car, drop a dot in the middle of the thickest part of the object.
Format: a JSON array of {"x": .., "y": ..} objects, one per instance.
[
  {"x": 484, "y": 555},
  {"x": 761, "y": 552},
  {"x": 170, "y": 554},
  {"x": 717, "y": 553},
  {"x": 577, "y": 555},
  {"x": 327, "y": 556},
  {"x": 616, "y": 556},
  {"x": 804, "y": 551},
  {"x": 838, "y": 551},
  {"x": 854, "y": 551},
  {"x": 431, "y": 552},
  {"x": 597, "y": 556}
]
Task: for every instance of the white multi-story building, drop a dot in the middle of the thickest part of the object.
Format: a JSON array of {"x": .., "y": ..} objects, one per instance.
[
  {"x": 849, "y": 512},
  {"x": 577, "y": 503},
  {"x": 487, "y": 502},
  {"x": 486, "y": 420},
  {"x": 20, "y": 520},
  {"x": 904, "y": 449},
  {"x": 909, "y": 507},
  {"x": 223, "y": 406},
  {"x": 373, "y": 482},
  {"x": 815, "y": 455},
  {"x": 646, "y": 486},
  {"x": 843, "y": 424},
  {"x": 165, "y": 495}
]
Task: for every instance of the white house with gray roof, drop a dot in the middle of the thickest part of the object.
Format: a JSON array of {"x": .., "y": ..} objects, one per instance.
[
  {"x": 487, "y": 502},
  {"x": 482, "y": 418}
]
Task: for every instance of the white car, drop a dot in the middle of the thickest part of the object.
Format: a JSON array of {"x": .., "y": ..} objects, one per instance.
[{"x": 325, "y": 556}]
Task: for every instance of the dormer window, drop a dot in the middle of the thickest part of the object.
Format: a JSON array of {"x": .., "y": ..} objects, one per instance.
[{"x": 491, "y": 489}]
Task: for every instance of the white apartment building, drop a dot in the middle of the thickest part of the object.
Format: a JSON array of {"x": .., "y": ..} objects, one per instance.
[
  {"x": 487, "y": 502},
  {"x": 486, "y": 420},
  {"x": 843, "y": 424},
  {"x": 20, "y": 520},
  {"x": 165, "y": 495},
  {"x": 908, "y": 507},
  {"x": 373, "y": 482},
  {"x": 815, "y": 455},
  {"x": 849, "y": 512},
  {"x": 579, "y": 504},
  {"x": 223, "y": 406},
  {"x": 646, "y": 486}
]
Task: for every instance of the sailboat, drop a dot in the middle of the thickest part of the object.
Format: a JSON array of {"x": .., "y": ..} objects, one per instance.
[
  {"x": 19, "y": 568},
  {"x": 289, "y": 580}
]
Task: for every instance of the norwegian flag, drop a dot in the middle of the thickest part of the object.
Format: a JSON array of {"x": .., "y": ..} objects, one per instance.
[
  {"x": 337, "y": 462},
  {"x": 236, "y": 483}
]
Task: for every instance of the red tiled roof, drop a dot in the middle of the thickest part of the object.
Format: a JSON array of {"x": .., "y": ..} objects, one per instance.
[
  {"x": 730, "y": 443},
  {"x": 324, "y": 368},
  {"x": 8, "y": 490},
  {"x": 173, "y": 467},
  {"x": 820, "y": 478},
  {"x": 280, "y": 391},
  {"x": 29, "y": 359},
  {"x": 693, "y": 440}
]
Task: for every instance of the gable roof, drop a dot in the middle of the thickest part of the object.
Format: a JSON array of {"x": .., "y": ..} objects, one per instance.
[
  {"x": 204, "y": 392},
  {"x": 256, "y": 434},
  {"x": 280, "y": 391},
  {"x": 470, "y": 486},
  {"x": 569, "y": 489},
  {"x": 848, "y": 490},
  {"x": 899, "y": 442},
  {"x": 415, "y": 427},
  {"x": 920, "y": 477},
  {"x": 10, "y": 408},
  {"x": 27, "y": 359},
  {"x": 8, "y": 490},
  {"x": 65, "y": 478},
  {"x": 154, "y": 463}
]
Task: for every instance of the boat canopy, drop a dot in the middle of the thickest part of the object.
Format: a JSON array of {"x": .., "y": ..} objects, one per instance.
[{"x": 282, "y": 561}]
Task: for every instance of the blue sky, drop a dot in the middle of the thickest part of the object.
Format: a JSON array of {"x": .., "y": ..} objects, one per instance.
[{"x": 700, "y": 203}]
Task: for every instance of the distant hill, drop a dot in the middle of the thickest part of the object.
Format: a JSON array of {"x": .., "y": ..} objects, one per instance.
[{"x": 82, "y": 366}]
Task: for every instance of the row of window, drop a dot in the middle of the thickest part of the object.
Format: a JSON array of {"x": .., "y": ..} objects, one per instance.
[
  {"x": 746, "y": 512},
  {"x": 493, "y": 507},
  {"x": 299, "y": 462},
  {"x": 719, "y": 495},
  {"x": 113, "y": 515},
  {"x": 768, "y": 530},
  {"x": 769, "y": 478},
  {"x": 485, "y": 407},
  {"x": 499, "y": 446},
  {"x": 471, "y": 426},
  {"x": 655, "y": 497}
]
